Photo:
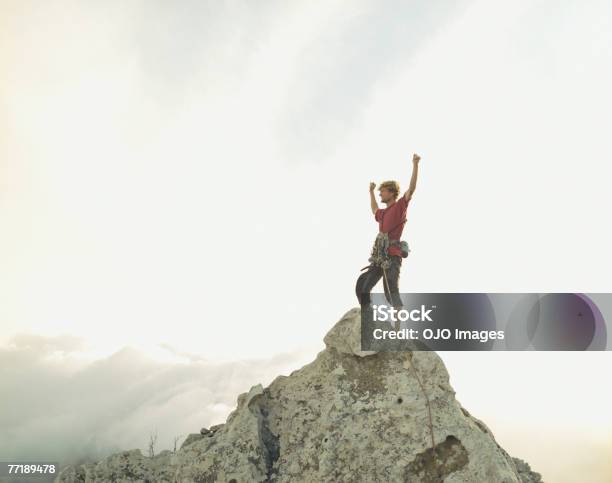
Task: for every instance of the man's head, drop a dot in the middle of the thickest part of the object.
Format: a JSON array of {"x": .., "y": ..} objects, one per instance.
[{"x": 389, "y": 191}]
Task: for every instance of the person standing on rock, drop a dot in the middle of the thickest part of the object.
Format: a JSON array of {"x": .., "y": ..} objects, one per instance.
[{"x": 388, "y": 250}]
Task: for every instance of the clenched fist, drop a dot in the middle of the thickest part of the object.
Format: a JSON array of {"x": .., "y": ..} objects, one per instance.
[
  {"x": 415, "y": 158},
  {"x": 372, "y": 186}
]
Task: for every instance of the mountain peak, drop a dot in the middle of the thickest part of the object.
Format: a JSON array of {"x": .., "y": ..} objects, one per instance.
[{"x": 349, "y": 415}]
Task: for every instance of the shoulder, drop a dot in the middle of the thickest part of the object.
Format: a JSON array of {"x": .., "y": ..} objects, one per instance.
[{"x": 399, "y": 204}]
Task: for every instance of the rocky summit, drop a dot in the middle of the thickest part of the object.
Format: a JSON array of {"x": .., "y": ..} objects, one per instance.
[{"x": 348, "y": 416}]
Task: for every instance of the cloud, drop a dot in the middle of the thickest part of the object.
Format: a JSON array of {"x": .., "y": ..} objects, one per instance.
[
  {"x": 337, "y": 70},
  {"x": 57, "y": 406},
  {"x": 43, "y": 345}
]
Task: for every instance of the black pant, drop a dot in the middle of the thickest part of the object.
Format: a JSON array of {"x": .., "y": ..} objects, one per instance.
[{"x": 369, "y": 278}]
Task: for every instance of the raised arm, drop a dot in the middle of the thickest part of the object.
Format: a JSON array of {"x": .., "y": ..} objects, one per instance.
[
  {"x": 413, "y": 180},
  {"x": 373, "y": 203}
]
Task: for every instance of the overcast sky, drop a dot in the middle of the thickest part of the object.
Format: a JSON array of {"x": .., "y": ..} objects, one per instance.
[{"x": 183, "y": 195}]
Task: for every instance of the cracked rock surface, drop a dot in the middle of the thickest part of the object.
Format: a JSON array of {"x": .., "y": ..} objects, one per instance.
[{"x": 348, "y": 416}]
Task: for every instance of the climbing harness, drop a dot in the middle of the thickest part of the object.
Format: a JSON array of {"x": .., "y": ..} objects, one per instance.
[
  {"x": 380, "y": 254},
  {"x": 380, "y": 251}
]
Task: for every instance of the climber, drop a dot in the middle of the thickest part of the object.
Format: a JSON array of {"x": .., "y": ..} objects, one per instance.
[{"x": 388, "y": 250}]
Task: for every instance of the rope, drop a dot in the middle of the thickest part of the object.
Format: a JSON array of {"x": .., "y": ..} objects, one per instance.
[
  {"x": 388, "y": 294},
  {"x": 386, "y": 283},
  {"x": 433, "y": 444}
]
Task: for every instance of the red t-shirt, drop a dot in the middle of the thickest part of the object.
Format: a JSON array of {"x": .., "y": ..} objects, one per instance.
[{"x": 391, "y": 218}]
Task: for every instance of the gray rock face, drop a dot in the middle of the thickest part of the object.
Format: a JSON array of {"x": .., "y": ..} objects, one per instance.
[
  {"x": 348, "y": 416},
  {"x": 527, "y": 476}
]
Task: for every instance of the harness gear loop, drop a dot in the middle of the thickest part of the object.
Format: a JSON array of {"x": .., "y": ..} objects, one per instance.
[
  {"x": 380, "y": 251},
  {"x": 380, "y": 254}
]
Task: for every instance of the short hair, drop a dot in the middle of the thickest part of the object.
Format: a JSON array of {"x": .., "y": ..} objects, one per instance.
[{"x": 392, "y": 186}]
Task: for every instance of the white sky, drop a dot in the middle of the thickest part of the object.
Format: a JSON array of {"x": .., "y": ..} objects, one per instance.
[{"x": 188, "y": 179}]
